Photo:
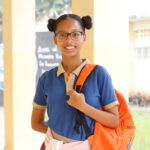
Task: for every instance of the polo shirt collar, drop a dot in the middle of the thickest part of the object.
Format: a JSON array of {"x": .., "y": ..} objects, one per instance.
[{"x": 76, "y": 71}]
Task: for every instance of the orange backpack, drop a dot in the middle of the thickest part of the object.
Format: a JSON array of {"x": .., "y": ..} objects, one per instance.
[{"x": 105, "y": 138}]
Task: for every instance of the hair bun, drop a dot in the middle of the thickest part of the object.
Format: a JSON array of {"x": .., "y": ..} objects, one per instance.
[
  {"x": 51, "y": 25},
  {"x": 87, "y": 22}
]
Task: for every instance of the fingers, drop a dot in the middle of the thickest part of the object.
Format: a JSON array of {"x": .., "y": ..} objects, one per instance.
[
  {"x": 46, "y": 141},
  {"x": 68, "y": 102},
  {"x": 70, "y": 92},
  {"x": 48, "y": 136}
]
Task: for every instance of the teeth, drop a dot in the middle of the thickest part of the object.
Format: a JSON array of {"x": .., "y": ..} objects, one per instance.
[{"x": 70, "y": 47}]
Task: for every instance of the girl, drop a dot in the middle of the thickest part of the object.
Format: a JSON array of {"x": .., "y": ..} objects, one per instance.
[{"x": 55, "y": 90}]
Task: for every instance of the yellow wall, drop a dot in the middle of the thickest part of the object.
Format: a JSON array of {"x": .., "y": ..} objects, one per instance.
[
  {"x": 111, "y": 40},
  {"x": 8, "y": 93},
  {"x": 108, "y": 41},
  {"x": 84, "y": 8}
]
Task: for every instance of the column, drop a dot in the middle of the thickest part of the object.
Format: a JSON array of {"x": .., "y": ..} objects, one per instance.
[
  {"x": 84, "y": 8},
  {"x": 19, "y": 72}
]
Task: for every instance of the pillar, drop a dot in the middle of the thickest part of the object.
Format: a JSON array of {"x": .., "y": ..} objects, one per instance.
[
  {"x": 132, "y": 88},
  {"x": 19, "y": 72},
  {"x": 84, "y": 8}
]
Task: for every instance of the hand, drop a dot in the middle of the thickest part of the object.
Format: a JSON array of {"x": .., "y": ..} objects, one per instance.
[
  {"x": 48, "y": 136},
  {"x": 77, "y": 100}
]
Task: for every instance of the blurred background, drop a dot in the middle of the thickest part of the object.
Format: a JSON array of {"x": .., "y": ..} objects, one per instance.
[{"x": 136, "y": 85}]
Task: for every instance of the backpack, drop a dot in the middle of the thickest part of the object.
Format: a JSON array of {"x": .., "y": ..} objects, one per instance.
[{"x": 105, "y": 138}]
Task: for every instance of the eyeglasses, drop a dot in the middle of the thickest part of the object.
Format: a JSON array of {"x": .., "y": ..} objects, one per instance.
[{"x": 75, "y": 36}]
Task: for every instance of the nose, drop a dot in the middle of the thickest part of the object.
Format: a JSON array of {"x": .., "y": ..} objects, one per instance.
[{"x": 69, "y": 37}]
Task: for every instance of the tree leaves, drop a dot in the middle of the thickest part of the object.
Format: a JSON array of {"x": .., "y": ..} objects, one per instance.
[{"x": 51, "y": 8}]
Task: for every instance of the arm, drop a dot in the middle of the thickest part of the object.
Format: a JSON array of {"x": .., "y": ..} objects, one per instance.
[
  {"x": 37, "y": 120},
  {"x": 37, "y": 123},
  {"x": 109, "y": 118}
]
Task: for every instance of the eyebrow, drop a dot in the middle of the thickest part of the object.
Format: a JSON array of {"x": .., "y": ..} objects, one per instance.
[
  {"x": 61, "y": 31},
  {"x": 73, "y": 30}
]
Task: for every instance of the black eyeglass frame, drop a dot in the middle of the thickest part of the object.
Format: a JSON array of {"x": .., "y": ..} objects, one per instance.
[{"x": 69, "y": 34}]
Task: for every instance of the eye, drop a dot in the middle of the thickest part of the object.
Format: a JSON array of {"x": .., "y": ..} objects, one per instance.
[
  {"x": 62, "y": 35},
  {"x": 76, "y": 34}
]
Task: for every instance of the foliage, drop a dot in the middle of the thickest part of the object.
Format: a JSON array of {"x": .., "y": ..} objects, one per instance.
[
  {"x": 49, "y": 8},
  {"x": 52, "y": 8},
  {"x": 140, "y": 99},
  {"x": 141, "y": 116}
]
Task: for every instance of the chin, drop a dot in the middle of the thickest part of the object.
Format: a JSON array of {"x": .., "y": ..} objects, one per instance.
[{"x": 71, "y": 54}]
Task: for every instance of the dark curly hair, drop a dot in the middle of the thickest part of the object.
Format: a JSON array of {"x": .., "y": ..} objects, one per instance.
[{"x": 85, "y": 21}]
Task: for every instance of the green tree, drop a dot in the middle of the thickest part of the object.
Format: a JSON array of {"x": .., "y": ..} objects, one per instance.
[{"x": 52, "y": 8}]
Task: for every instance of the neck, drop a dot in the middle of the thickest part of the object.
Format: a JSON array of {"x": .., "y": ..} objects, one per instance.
[{"x": 71, "y": 63}]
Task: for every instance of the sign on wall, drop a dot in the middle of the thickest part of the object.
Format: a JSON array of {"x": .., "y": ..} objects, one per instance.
[{"x": 47, "y": 54}]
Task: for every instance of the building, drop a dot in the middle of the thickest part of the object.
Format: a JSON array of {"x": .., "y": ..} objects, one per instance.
[{"x": 140, "y": 53}]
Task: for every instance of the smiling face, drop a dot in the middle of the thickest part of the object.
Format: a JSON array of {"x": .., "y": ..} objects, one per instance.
[{"x": 69, "y": 47}]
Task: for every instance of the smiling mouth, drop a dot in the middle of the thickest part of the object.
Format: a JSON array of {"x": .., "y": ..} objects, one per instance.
[{"x": 69, "y": 47}]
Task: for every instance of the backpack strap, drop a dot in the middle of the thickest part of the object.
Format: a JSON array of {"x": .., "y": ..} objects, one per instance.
[
  {"x": 85, "y": 72},
  {"x": 80, "y": 119}
]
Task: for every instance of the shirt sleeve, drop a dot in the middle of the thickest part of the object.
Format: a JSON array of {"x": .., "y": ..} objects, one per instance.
[
  {"x": 107, "y": 92},
  {"x": 39, "y": 100}
]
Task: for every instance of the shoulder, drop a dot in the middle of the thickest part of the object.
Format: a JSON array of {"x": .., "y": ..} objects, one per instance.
[
  {"x": 100, "y": 74},
  {"x": 101, "y": 70},
  {"x": 47, "y": 74}
]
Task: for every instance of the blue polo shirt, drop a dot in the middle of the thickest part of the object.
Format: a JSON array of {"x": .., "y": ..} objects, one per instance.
[{"x": 51, "y": 93}]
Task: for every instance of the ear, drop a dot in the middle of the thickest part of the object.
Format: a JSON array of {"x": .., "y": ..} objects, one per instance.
[
  {"x": 55, "y": 40},
  {"x": 84, "y": 37}
]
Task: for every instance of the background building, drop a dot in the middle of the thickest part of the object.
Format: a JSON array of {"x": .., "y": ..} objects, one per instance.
[{"x": 139, "y": 53}]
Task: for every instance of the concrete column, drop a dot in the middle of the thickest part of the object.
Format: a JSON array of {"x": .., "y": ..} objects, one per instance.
[
  {"x": 111, "y": 40},
  {"x": 19, "y": 72},
  {"x": 84, "y": 8},
  {"x": 132, "y": 87}
]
